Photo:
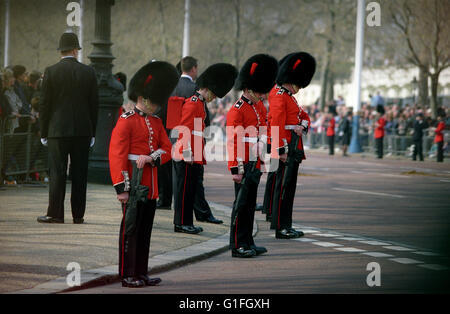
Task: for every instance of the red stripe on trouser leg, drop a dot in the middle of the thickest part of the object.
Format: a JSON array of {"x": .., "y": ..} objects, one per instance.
[
  {"x": 124, "y": 206},
  {"x": 271, "y": 194},
  {"x": 279, "y": 202},
  {"x": 235, "y": 235},
  {"x": 184, "y": 193}
]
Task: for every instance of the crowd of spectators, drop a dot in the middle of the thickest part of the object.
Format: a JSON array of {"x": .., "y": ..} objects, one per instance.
[
  {"x": 19, "y": 113},
  {"x": 19, "y": 98}
]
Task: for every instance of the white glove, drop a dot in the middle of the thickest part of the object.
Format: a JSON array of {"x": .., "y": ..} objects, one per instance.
[
  {"x": 44, "y": 142},
  {"x": 92, "y": 141}
]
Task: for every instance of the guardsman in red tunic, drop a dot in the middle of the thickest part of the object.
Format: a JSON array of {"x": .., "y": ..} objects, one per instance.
[
  {"x": 288, "y": 121},
  {"x": 246, "y": 139},
  {"x": 439, "y": 137},
  {"x": 140, "y": 136},
  {"x": 379, "y": 134},
  {"x": 216, "y": 81},
  {"x": 330, "y": 125}
]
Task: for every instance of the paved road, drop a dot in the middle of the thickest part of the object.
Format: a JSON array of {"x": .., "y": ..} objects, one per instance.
[{"x": 354, "y": 211}]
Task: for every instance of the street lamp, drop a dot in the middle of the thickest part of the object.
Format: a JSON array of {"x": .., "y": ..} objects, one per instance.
[
  {"x": 110, "y": 93},
  {"x": 355, "y": 145}
]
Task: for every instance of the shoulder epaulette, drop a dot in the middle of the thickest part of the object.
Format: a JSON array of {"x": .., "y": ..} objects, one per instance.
[
  {"x": 194, "y": 98},
  {"x": 239, "y": 104},
  {"x": 128, "y": 114}
]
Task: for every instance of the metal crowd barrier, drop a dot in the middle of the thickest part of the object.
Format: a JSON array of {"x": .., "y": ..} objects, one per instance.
[
  {"x": 21, "y": 154},
  {"x": 398, "y": 145}
]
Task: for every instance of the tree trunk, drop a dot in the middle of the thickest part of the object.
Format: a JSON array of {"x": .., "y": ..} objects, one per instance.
[
  {"x": 423, "y": 86},
  {"x": 163, "y": 30},
  {"x": 325, "y": 75},
  {"x": 330, "y": 87},
  {"x": 434, "y": 94}
]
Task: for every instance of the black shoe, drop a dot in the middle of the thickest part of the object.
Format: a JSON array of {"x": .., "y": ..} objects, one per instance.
[
  {"x": 259, "y": 208},
  {"x": 286, "y": 234},
  {"x": 268, "y": 218},
  {"x": 50, "y": 220},
  {"x": 150, "y": 281},
  {"x": 258, "y": 249},
  {"x": 132, "y": 282},
  {"x": 78, "y": 221},
  {"x": 243, "y": 252},
  {"x": 160, "y": 205},
  {"x": 211, "y": 219},
  {"x": 187, "y": 229},
  {"x": 300, "y": 233}
]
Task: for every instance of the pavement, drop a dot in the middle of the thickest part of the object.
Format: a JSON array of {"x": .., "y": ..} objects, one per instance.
[
  {"x": 347, "y": 197},
  {"x": 35, "y": 257}
]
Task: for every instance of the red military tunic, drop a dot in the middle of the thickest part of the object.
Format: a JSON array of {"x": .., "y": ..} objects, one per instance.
[
  {"x": 331, "y": 126},
  {"x": 246, "y": 124},
  {"x": 192, "y": 124},
  {"x": 137, "y": 134},
  {"x": 285, "y": 113},
  {"x": 439, "y": 137},
  {"x": 379, "y": 129}
]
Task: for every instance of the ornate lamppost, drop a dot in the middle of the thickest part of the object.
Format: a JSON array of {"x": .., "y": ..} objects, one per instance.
[{"x": 110, "y": 92}]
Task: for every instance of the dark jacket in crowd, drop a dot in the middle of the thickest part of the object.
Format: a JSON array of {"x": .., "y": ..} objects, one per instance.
[
  {"x": 69, "y": 105},
  {"x": 419, "y": 126}
]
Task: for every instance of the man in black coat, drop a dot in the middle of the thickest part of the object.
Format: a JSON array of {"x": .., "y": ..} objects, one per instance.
[
  {"x": 419, "y": 126},
  {"x": 68, "y": 119}
]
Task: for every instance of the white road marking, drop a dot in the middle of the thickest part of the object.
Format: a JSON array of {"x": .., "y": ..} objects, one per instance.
[
  {"x": 394, "y": 175},
  {"x": 433, "y": 266},
  {"x": 328, "y": 235},
  {"x": 398, "y": 248},
  {"x": 350, "y": 249},
  {"x": 368, "y": 192},
  {"x": 405, "y": 260},
  {"x": 445, "y": 181},
  {"x": 350, "y": 239},
  {"x": 374, "y": 242},
  {"x": 358, "y": 172},
  {"x": 378, "y": 254},
  {"x": 307, "y": 230},
  {"x": 305, "y": 240},
  {"x": 426, "y": 253},
  {"x": 326, "y": 244}
]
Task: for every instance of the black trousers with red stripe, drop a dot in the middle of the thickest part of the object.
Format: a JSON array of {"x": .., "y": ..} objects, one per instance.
[
  {"x": 186, "y": 179},
  {"x": 134, "y": 249},
  {"x": 241, "y": 229},
  {"x": 282, "y": 207},
  {"x": 268, "y": 193}
]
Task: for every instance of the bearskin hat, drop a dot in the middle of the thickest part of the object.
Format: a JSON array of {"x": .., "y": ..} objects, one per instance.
[
  {"x": 218, "y": 78},
  {"x": 297, "y": 68},
  {"x": 154, "y": 81},
  {"x": 258, "y": 74},
  {"x": 122, "y": 78}
]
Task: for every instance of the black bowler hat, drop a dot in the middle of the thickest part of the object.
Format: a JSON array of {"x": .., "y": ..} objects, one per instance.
[
  {"x": 68, "y": 41},
  {"x": 218, "y": 78},
  {"x": 297, "y": 68},
  {"x": 258, "y": 74},
  {"x": 154, "y": 81}
]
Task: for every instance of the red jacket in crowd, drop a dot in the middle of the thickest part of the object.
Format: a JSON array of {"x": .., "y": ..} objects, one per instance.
[
  {"x": 379, "y": 128},
  {"x": 439, "y": 136},
  {"x": 331, "y": 126}
]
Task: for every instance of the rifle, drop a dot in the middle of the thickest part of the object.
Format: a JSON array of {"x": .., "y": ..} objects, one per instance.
[
  {"x": 138, "y": 193},
  {"x": 291, "y": 159}
]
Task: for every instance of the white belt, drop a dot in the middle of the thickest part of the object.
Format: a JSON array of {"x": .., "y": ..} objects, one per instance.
[
  {"x": 133, "y": 157},
  {"x": 290, "y": 127},
  {"x": 252, "y": 140},
  {"x": 197, "y": 133}
]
